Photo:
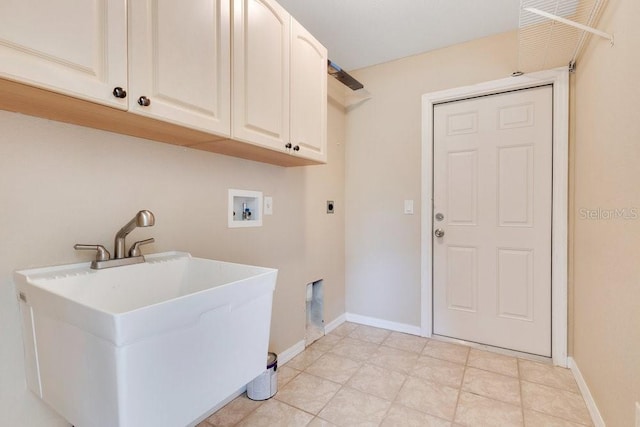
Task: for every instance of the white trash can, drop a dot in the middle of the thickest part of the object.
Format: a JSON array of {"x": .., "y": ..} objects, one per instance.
[{"x": 265, "y": 385}]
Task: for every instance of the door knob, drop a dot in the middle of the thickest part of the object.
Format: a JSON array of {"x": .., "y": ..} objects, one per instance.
[
  {"x": 144, "y": 101},
  {"x": 118, "y": 92},
  {"x": 439, "y": 232}
]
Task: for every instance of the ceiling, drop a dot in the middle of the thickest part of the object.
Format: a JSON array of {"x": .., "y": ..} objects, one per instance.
[{"x": 360, "y": 33}]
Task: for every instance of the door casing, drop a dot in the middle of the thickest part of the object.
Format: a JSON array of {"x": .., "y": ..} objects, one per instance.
[{"x": 559, "y": 79}]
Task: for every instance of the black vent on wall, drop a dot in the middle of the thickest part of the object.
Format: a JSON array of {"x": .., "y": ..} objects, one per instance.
[{"x": 342, "y": 76}]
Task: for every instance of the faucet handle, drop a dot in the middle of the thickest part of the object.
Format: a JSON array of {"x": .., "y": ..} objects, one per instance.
[
  {"x": 102, "y": 255},
  {"x": 135, "y": 249}
]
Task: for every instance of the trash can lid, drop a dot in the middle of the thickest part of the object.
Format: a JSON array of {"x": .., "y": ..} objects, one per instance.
[{"x": 272, "y": 360}]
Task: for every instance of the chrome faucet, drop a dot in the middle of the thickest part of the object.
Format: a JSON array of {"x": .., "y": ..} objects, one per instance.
[
  {"x": 142, "y": 219},
  {"x": 103, "y": 259}
]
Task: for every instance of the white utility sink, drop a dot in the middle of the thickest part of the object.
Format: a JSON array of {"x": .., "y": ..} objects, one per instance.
[{"x": 153, "y": 344}]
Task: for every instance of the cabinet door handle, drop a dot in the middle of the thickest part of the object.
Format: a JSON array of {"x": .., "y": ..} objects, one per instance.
[
  {"x": 118, "y": 92},
  {"x": 144, "y": 101},
  {"x": 296, "y": 148},
  {"x": 287, "y": 145}
]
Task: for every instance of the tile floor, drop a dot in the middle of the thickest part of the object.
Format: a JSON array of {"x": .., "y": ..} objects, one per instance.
[{"x": 363, "y": 376}]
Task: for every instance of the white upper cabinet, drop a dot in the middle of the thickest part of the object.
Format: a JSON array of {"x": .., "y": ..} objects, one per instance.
[
  {"x": 308, "y": 94},
  {"x": 210, "y": 72},
  {"x": 261, "y": 50},
  {"x": 279, "y": 81},
  {"x": 179, "y": 62},
  {"x": 78, "y": 48}
]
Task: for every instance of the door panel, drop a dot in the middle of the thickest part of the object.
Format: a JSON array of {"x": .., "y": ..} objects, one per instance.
[
  {"x": 180, "y": 60},
  {"x": 515, "y": 186},
  {"x": 78, "y": 48},
  {"x": 515, "y": 283},
  {"x": 462, "y": 274},
  {"x": 492, "y": 184},
  {"x": 308, "y": 94},
  {"x": 261, "y": 59},
  {"x": 463, "y": 190}
]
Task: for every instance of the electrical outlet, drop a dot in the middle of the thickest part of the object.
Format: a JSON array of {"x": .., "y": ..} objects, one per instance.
[
  {"x": 330, "y": 206},
  {"x": 637, "y": 414}
]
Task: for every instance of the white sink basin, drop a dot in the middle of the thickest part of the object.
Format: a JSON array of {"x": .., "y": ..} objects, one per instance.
[{"x": 159, "y": 343}]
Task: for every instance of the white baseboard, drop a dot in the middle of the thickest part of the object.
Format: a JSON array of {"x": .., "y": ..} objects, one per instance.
[
  {"x": 596, "y": 418},
  {"x": 291, "y": 352},
  {"x": 335, "y": 323},
  {"x": 384, "y": 324}
]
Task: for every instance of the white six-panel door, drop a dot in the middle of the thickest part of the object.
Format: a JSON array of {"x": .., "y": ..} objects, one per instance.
[{"x": 492, "y": 208}]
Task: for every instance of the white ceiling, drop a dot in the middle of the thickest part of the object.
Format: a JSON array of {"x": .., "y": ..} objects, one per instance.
[{"x": 360, "y": 33}]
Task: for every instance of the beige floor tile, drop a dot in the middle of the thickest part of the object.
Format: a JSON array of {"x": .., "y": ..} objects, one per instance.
[
  {"x": 537, "y": 419},
  {"x": 492, "y": 385},
  {"x": 493, "y": 362},
  {"x": 439, "y": 371},
  {"x": 351, "y": 407},
  {"x": 405, "y": 342},
  {"x": 304, "y": 359},
  {"x": 394, "y": 359},
  {"x": 343, "y": 330},
  {"x": 446, "y": 351},
  {"x": 233, "y": 412},
  {"x": 333, "y": 367},
  {"x": 480, "y": 411},
  {"x": 552, "y": 376},
  {"x": 308, "y": 392},
  {"x": 370, "y": 334},
  {"x": 354, "y": 349},
  {"x": 326, "y": 343},
  {"x": 426, "y": 396},
  {"x": 275, "y": 413},
  {"x": 319, "y": 422},
  {"x": 286, "y": 374},
  {"x": 401, "y": 416},
  {"x": 556, "y": 402},
  {"x": 426, "y": 380},
  {"x": 377, "y": 381}
]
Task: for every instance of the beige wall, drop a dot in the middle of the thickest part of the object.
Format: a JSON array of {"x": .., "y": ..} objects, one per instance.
[
  {"x": 62, "y": 184},
  {"x": 384, "y": 168},
  {"x": 606, "y": 270}
]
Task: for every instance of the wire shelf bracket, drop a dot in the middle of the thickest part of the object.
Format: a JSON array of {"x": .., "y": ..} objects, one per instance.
[
  {"x": 552, "y": 33},
  {"x": 571, "y": 23}
]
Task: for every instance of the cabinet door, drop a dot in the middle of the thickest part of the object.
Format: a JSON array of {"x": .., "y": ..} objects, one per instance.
[
  {"x": 261, "y": 73},
  {"x": 78, "y": 48},
  {"x": 179, "y": 60},
  {"x": 308, "y": 94}
]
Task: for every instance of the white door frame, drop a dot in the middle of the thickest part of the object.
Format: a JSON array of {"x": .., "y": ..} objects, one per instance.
[{"x": 559, "y": 78}]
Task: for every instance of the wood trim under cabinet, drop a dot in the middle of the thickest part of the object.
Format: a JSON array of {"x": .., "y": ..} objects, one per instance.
[{"x": 33, "y": 101}]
